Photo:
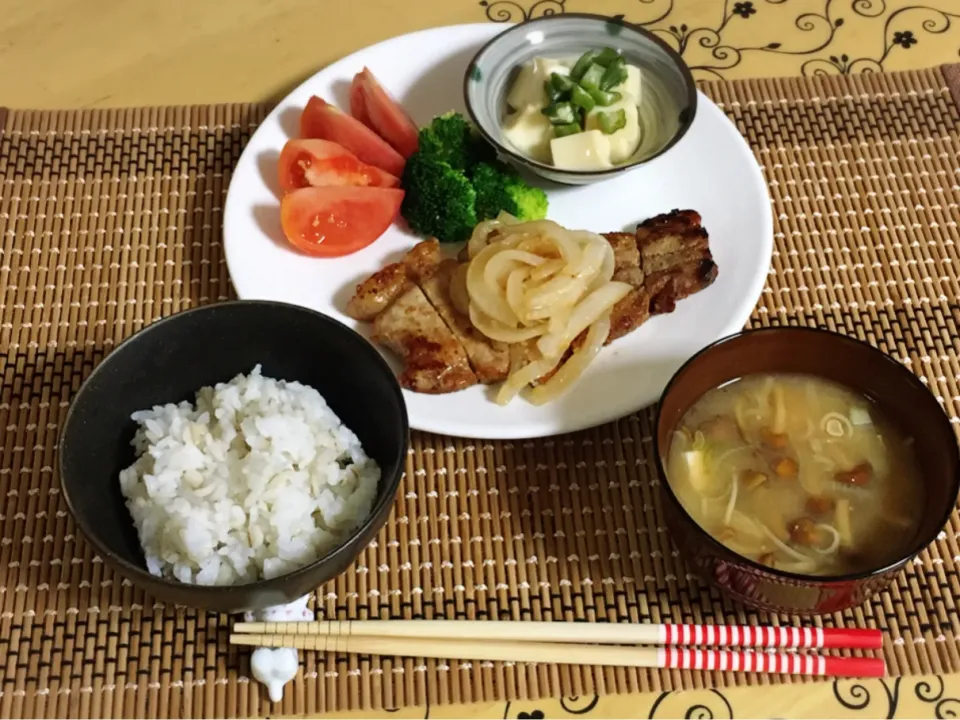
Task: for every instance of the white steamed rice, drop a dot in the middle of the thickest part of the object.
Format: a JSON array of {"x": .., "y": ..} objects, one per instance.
[{"x": 257, "y": 479}]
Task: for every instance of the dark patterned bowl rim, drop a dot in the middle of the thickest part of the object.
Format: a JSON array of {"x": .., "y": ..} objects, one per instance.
[
  {"x": 688, "y": 114},
  {"x": 722, "y": 550}
]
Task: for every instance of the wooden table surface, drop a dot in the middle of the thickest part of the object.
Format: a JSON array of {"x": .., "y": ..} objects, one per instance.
[{"x": 103, "y": 53}]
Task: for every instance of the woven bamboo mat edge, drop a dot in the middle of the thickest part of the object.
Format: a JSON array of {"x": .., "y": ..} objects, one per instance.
[
  {"x": 821, "y": 87},
  {"x": 832, "y": 87}
]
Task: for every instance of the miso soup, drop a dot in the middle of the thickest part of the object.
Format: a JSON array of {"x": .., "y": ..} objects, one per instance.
[{"x": 797, "y": 473}]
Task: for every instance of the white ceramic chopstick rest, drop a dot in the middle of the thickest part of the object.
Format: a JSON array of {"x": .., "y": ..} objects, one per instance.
[{"x": 275, "y": 667}]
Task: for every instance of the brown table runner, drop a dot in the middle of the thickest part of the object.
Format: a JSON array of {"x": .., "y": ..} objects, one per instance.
[{"x": 111, "y": 219}]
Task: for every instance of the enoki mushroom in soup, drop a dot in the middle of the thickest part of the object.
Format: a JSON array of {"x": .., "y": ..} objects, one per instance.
[{"x": 797, "y": 473}]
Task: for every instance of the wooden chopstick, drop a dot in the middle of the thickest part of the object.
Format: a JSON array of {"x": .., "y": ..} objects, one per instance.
[
  {"x": 578, "y": 632},
  {"x": 611, "y": 655}
]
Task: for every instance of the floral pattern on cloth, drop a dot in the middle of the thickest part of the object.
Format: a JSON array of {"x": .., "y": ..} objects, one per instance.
[
  {"x": 907, "y": 697},
  {"x": 767, "y": 38}
]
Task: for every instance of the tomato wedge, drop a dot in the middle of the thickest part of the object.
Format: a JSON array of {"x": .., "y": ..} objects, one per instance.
[
  {"x": 383, "y": 113},
  {"x": 337, "y": 220},
  {"x": 306, "y": 163},
  {"x": 323, "y": 121},
  {"x": 358, "y": 104}
]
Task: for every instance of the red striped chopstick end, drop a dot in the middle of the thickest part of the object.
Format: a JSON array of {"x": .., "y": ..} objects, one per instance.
[
  {"x": 768, "y": 662},
  {"x": 855, "y": 667},
  {"x": 854, "y": 638}
]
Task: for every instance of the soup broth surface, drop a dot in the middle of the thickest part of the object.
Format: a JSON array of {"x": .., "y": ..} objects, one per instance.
[{"x": 797, "y": 473}]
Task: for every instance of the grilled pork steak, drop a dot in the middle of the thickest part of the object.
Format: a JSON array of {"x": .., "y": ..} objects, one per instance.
[{"x": 667, "y": 259}]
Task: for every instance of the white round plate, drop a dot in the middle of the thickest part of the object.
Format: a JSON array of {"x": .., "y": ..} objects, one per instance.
[{"x": 711, "y": 170}]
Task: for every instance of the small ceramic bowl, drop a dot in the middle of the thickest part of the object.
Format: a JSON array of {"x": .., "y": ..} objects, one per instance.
[
  {"x": 897, "y": 392},
  {"x": 667, "y": 81},
  {"x": 169, "y": 361}
]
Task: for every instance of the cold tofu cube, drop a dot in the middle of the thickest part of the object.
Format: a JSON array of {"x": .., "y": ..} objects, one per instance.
[
  {"x": 588, "y": 150},
  {"x": 529, "y": 131},
  {"x": 527, "y": 90},
  {"x": 633, "y": 85},
  {"x": 696, "y": 470},
  {"x": 624, "y": 142}
]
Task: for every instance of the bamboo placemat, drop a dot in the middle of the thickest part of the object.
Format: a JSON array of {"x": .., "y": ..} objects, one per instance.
[{"x": 111, "y": 219}]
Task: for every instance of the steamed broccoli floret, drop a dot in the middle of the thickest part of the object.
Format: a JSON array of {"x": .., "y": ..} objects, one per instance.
[
  {"x": 500, "y": 188},
  {"x": 452, "y": 139},
  {"x": 439, "y": 200},
  {"x": 454, "y": 180}
]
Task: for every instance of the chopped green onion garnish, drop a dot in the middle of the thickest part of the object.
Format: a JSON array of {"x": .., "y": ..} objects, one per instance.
[
  {"x": 582, "y": 99},
  {"x": 585, "y": 61},
  {"x": 561, "y": 113},
  {"x": 616, "y": 74},
  {"x": 553, "y": 95},
  {"x": 564, "y": 130},
  {"x": 612, "y": 121},
  {"x": 561, "y": 83},
  {"x": 606, "y": 56},
  {"x": 604, "y": 98},
  {"x": 592, "y": 77}
]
